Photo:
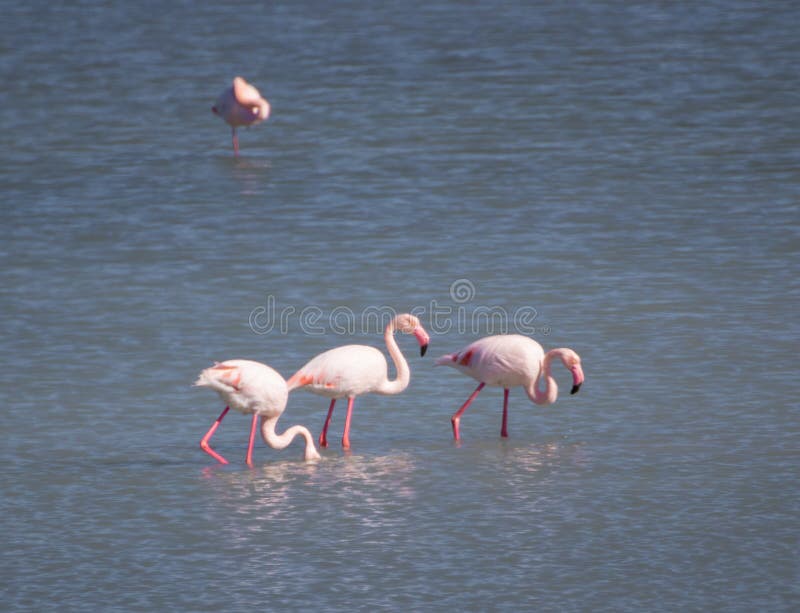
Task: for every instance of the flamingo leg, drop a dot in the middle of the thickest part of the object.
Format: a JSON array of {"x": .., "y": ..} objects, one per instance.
[
  {"x": 204, "y": 441},
  {"x": 457, "y": 415},
  {"x": 249, "y": 458},
  {"x": 346, "y": 436},
  {"x": 504, "y": 428},
  {"x": 323, "y": 436},
  {"x": 235, "y": 142}
]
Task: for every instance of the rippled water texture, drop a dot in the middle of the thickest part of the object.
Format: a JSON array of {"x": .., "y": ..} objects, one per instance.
[{"x": 624, "y": 175}]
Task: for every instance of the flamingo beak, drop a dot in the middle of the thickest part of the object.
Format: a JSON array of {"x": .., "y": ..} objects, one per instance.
[
  {"x": 423, "y": 339},
  {"x": 214, "y": 110},
  {"x": 577, "y": 378}
]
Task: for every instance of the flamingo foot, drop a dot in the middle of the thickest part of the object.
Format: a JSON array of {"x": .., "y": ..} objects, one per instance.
[
  {"x": 456, "y": 434},
  {"x": 323, "y": 436},
  {"x": 207, "y": 448},
  {"x": 204, "y": 441},
  {"x": 235, "y": 138},
  {"x": 456, "y": 418},
  {"x": 346, "y": 436},
  {"x": 249, "y": 458},
  {"x": 504, "y": 427}
]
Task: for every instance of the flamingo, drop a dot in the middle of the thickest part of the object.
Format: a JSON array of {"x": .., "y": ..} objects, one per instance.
[
  {"x": 252, "y": 388},
  {"x": 241, "y": 105},
  {"x": 352, "y": 370},
  {"x": 508, "y": 360}
]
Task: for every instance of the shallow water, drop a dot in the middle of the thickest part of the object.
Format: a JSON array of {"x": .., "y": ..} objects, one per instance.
[{"x": 623, "y": 179}]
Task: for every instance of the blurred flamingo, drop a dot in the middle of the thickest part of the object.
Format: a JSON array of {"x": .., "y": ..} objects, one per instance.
[
  {"x": 252, "y": 388},
  {"x": 241, "y": 104},
  {"x": 508, "y": 360},
  {"x": 352, "y": 370}
]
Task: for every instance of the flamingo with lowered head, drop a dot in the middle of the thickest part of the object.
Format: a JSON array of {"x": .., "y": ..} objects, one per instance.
[
  {"x": 252, "y": 388},
  {"x": 352, "y": 370},
  {"x": 240, "y": 104},
  {"x": 509, "y": 360}
]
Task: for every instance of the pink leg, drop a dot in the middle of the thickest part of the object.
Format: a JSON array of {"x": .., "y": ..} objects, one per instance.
[
  {"x": 346, "y": 436},
  {"x": 249, "y": 458},
  {"x": 457, "y": 416},
  {"x": 504, "y": 428},
  {"x": 204, "y": 441},
  {"x": 323, "y": 436},
  {"x": 235, "y": 142}
]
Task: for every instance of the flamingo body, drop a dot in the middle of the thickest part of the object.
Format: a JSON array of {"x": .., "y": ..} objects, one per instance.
[
  {"x": 246, "y": 386},
  {"x": 350, "y": 370},
  {"x": 254, "y": 389},
  {"x": 511, "y": 360},
  {"x": 240, "y": 105},
  {"x": 502, "y": 360},
  {"x": 353, "y": 370}
]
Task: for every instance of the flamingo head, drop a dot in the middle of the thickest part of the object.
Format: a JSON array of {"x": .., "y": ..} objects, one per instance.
[
  {"x": 410, "y": 324},
  {"x": 573, "y": 362},
  {"x": 262, "y": 110}
]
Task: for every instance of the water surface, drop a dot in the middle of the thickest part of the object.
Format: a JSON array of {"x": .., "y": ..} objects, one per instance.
[{"x": 628, "y": 174}]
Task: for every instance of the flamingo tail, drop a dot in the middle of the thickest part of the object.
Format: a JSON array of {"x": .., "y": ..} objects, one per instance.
[
  {"x": 298, "y": 379},
  {"x": 448, "y": 359}
]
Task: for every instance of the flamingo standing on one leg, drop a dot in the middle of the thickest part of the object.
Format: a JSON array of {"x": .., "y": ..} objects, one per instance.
[
  {"x": 252, "y": 387},
  {"x": 241, "y": 105},
  {"x": 509, "y": 360},
  {"x": 352, "y": 370}
]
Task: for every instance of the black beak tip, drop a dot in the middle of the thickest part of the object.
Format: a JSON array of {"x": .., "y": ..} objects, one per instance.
[
  {"x": 423, "y": 349},
  {"x": 575, "y": 388}
]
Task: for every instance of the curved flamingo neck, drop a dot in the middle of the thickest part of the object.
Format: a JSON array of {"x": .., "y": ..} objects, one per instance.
[
  {"x": 550, "y": 393},
  {"x": 281, "y": 441},
  {"x": 403, "y": 374}
]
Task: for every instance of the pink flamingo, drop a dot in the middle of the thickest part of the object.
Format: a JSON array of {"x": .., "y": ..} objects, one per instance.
[
  {"x": 352, "y": 370},
  {"x": 509, "y": 360},
  {"x": 241, "y": 105},
  {"x": 252, "y": 388}
]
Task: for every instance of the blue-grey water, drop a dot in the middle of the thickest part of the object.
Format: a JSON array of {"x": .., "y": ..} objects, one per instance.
[{"x": 623, "y": 178}]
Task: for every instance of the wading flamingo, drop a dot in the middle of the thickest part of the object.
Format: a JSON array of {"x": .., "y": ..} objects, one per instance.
[
  {"x": 352, "y": 370},
  {"x": 240, "y": 105},
  {"x": 252, "y": 388},
  {"x": 508, "y": 360}
]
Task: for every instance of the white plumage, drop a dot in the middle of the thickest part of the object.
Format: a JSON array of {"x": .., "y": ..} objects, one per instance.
[
  {"x": 254, "y": 389},
  {"x": 511, "y": 360},
  {"x": 352, "y": 370}
]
